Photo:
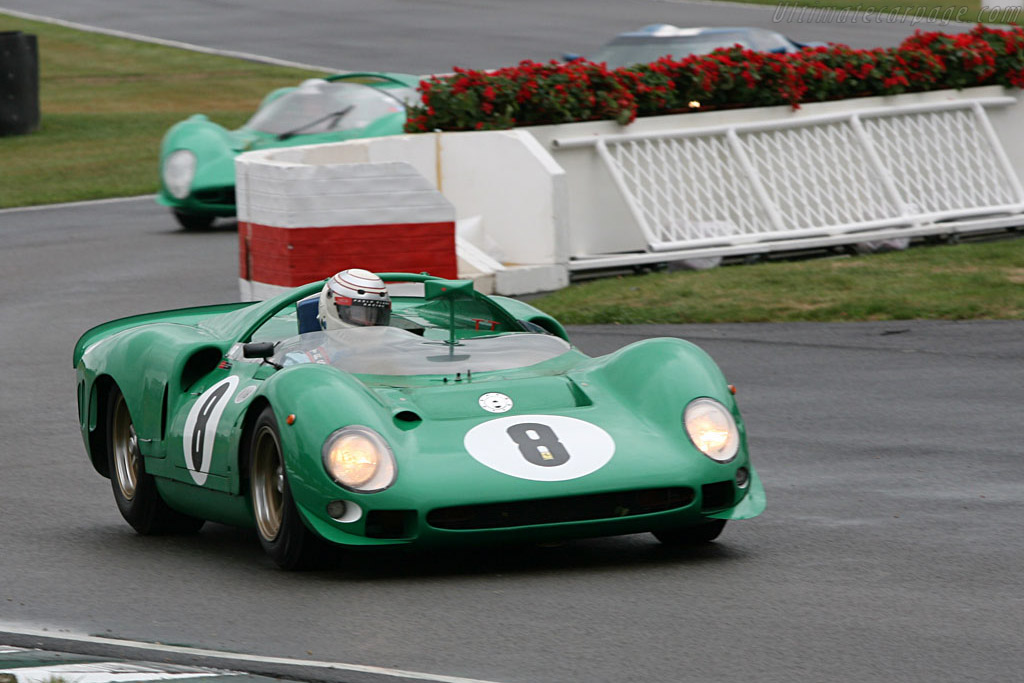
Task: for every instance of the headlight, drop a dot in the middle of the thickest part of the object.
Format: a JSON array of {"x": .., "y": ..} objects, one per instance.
[
  {"x": 359, "y": 459},
  {"x": 179, "y": 170},
  {"x": 711, "y": 428}
]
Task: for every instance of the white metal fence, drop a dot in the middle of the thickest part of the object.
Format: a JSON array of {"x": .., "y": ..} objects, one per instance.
[{"x": 810, "y": 181}]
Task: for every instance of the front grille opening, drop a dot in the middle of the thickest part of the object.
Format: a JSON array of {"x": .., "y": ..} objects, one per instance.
[
  {"x": 716, "y": 496},
  {"x": 390, "y": 523},
  {"x": 217, "y": 195},
  {"x": 560, "y": 510}
]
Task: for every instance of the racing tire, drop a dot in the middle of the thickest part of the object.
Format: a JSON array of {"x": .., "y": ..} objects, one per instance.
[
  {"x": 135, "y": 491},
  {"x": 193, "y": 222},
  {"x": 689, "y": 536},
  {"x": 280, "y": 528}
]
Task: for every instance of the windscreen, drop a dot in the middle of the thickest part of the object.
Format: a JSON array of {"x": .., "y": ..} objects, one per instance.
[
  {"x": 644, "y": 50},
  {"x": 322, "y": 106},
  {"x": 393, "y": 351}
]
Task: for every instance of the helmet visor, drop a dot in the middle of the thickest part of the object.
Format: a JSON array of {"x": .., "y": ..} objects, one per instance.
[{"x": 364, "y": 312}]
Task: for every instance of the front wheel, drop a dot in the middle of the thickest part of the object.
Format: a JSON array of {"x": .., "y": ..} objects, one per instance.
[
  {"x": 135, "y": 491},
  {"x": 687, "y": 536},
  {"x": 282, "y": 533},
  {"x": 193, "y": 222}
]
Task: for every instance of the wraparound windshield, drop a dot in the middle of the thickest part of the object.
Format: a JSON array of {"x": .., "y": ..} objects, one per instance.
[
  {"x": 393, "y": 351},
  {"x": 642, "y": 50},
  {"x": 320, "y": 106}
]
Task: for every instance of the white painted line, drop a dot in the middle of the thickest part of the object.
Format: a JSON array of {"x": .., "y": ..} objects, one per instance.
[
  {"x": 169, "y": 43},
  {"x": 109, "y": 672},
  {"x": 231, "y": 656},
  {"x": 85, "y": 202}
]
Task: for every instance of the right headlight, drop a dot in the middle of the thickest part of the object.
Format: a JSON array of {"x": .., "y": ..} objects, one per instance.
[
  {"x": 711, "y": 428},
  {"x": 359, "y": 459},
  {"x": 178, "y": 172}
]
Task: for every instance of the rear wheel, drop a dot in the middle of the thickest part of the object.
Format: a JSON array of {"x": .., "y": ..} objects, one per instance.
[
  {"x": 135, "y": 491},
  {"x": 282, "y": 533},
  {"x": 684, "y": 537},
  {"x": 193, "y": 221}
]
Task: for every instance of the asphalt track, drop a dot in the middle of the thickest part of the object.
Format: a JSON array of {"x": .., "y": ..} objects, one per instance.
[
  {"x": 891, "y": 548},
  {"x": 432, "y": 36}
]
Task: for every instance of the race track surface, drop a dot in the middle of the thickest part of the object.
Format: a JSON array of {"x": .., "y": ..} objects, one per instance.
[
  {"x": 889, "y": 550},
  {"x": 432, "y": 36}
]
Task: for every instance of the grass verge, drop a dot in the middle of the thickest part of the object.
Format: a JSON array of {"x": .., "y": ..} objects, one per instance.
[
  {"x": 105, "y": 104},
  {"x": 966, "y": 281}
]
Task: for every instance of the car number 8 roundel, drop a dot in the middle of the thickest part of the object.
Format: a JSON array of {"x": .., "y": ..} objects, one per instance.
[{"x": 540, "y": 447}]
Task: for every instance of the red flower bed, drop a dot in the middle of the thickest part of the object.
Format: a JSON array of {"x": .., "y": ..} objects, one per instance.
[{"x": 534, "y": 94}]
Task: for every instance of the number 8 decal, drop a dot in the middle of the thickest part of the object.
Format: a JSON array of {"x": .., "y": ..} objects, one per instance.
[
  {"x": 540, "y": 447},
  {"x": 538, "y": 444}
]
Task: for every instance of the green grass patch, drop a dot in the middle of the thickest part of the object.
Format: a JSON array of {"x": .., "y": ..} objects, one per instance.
[
  {"x": 967, "y": 281},
  {"x": 105, "y": 104},
  {"x": 928, "y": 15}
]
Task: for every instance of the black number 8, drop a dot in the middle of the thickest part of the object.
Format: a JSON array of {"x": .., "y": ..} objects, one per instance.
[
  {"x": 538, "y": 444},
  {"x": 199, "y": 431}
]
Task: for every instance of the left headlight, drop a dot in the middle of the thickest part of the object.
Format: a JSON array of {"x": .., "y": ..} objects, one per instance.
[
  {"x": 179, "y": 170},
  {"x": 712, "y": 430},
  {"x": 359, "y": 459}
]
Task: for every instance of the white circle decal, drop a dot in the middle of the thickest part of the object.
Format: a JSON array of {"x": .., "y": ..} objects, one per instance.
[
  {"x": 201, "y": 427},
  {"x": 245, "y": 393},
  {"x": 495, "y": 402},
  {"x": 540, "y": 447}
]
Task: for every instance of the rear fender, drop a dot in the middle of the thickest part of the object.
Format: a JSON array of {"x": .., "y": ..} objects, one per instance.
[
  {"x": 183, "y": 316},
  {"x": 524, "y": 311},
  {"x": 151, "y": 365}
]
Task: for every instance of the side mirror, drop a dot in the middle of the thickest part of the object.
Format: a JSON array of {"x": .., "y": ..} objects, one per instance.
[{"x": 258, "y": 350}]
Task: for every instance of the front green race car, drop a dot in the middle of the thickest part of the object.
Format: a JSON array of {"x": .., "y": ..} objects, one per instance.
[
  {"x": 197, "y": 156},
  {"x": 469, "y": 419}
]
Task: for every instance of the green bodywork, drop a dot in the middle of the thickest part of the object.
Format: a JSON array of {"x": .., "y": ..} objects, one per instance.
[
  {"x": 212, "y": 191},
  {"x": 164, "y": 362}
]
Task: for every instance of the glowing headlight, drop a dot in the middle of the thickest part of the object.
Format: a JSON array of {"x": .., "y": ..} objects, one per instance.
[
  {"x": 359, "y": 459},
  {"x": 179, "y": 170},
  {"x": 712, "y": 429}
]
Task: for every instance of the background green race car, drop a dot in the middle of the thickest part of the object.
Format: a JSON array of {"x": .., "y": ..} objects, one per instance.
[
  {"x": 197, "y": 156},
  {"x": 469, "y": 419}
]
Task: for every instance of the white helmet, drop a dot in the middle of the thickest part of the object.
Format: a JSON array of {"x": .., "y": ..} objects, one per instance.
[{"x": 354, "y": 298}]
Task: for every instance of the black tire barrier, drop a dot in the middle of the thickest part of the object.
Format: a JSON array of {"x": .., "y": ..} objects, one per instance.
[{"x": 19, "y": 83}]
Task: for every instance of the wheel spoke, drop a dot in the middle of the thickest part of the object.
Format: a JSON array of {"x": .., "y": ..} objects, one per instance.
[
  {"x": 267, "y": 484},
  {"x": 127, "y": 459}
]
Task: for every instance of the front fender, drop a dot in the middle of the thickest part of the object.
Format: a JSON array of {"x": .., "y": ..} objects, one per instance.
[
  {"x": 659, "y": 377},
  {"x": 213, "y": 145},
  {"x": 322, "y": 399}
]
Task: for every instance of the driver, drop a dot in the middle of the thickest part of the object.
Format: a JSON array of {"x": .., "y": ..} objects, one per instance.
[{"x": 354, "y": 298}]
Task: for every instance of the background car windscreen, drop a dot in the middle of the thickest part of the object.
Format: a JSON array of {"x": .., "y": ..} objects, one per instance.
[
  {"x": 644, "y": 50},
  {"x": 324, "y": 107}
]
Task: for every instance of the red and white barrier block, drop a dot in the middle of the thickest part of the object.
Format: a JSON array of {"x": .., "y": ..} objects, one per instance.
[{"x": 300, "y": 221}]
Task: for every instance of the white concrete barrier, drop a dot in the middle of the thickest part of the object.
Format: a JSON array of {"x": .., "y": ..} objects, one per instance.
[
  {"x": 300, "y": 220},
  {"x": 535, "y": 204},
  {"x": 505, "y": 191}
]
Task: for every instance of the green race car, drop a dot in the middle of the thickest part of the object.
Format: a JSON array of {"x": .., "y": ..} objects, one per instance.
[
  {"x": 468, "y": 419},
  {"x": 197, "y": 156}
]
